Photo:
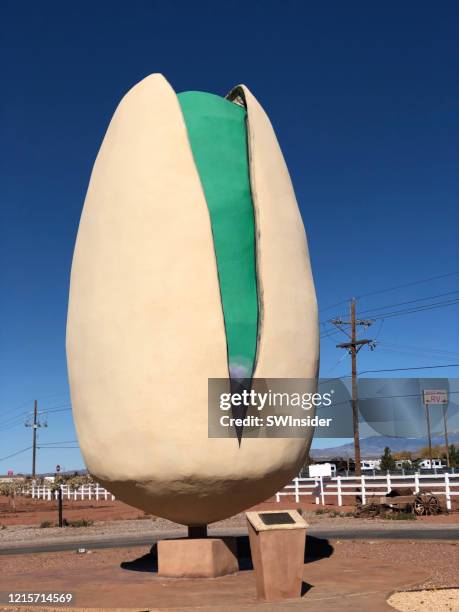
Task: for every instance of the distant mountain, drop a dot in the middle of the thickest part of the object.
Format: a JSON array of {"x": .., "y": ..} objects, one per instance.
[
  {"x": 80, "y": 472},
  {"x": 374, "y": 446}
]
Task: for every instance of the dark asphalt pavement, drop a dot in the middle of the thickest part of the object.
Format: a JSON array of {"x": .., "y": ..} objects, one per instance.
[{"x": 404, "y": 533}]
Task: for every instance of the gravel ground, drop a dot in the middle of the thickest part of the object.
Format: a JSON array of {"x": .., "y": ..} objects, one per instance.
[
  {"x": 151, "y": 525},
  {"x": 444, "y": 600},
  {"x": 440, "y": 558},
  {"x": 20, "y": 533}
]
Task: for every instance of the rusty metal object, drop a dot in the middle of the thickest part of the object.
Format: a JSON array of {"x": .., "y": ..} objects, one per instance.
[
  {"x": 426, "y": 503},
  {"x": 423, "y": 503}
]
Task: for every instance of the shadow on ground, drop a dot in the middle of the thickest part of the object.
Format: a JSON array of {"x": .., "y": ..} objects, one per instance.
[{"x": 316, "y": 549}]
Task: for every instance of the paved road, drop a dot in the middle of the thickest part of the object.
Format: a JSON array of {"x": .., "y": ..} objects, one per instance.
[
  {"x": 444, "y": 532},
  {"x": 439, "y": 533}
]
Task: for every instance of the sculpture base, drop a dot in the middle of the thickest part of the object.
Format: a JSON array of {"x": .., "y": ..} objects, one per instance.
[{"x": 197, "y": 557}]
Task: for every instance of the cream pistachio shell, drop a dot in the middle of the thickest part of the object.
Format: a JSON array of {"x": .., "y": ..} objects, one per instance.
[{"x": 145, "y": 326}]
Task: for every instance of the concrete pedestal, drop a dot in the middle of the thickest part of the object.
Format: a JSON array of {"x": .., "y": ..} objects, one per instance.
[
  {"x": 197, "y": 558},
  {"x": 277, "y": 555}
]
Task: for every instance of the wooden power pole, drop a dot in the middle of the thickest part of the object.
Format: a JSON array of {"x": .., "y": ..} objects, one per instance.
[
  {"x": 34, "y": 436},
  {"x": 353, "y": 347},
  {"x": 35, "y": 424},
  {"x": 445, "y": 423}
]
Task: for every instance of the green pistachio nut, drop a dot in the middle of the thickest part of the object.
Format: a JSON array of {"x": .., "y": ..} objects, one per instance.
[{"x": 191, "y": 263}]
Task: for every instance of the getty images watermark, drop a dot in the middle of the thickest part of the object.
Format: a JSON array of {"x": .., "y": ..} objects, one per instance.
[
  {"x": 270, "y": 399},
  {"x": 290, "y": 407},
  {"x": 265, "y": 408}
]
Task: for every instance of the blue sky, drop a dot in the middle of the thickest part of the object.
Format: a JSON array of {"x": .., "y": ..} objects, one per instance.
[{"x": 363, "y": 97}]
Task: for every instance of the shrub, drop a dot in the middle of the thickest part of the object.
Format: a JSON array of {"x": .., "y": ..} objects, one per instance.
[
  {"x": 45, "y": 524},
  {"x": 78, "y": 523},
  {"x": 11, "y": 489}
]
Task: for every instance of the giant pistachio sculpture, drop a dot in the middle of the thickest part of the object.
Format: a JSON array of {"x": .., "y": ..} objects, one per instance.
[{"x": 191, "y": 263}]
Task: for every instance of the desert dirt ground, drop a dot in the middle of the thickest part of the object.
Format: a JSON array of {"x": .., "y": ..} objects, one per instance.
[
  {"x": 34, "y": 512},
  {"x": 338, "y": 575}
]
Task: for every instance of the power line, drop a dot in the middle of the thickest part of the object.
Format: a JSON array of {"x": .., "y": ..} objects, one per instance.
[
  {"x": 59, "y": 442},
  {"x": 378, "y": 333},
  {"x": 433, "y": 367},
  {"x": 14, "y": 418},
  {"x": 337, "y": 363},
  {"x": 57, "y": 408},
  {"x": 53, "y": 447},
  {"x": 16, "y": 421},
  {"x": 414, "y": 309},
  {"x": 397, "y": 351},
  {"x": 398, "y": 313},
  {"x": 16, "y": 453},
  {"x": 430, "y": 297},
  {"x": 332, "y": 340},
  {"x": 13, "y": 426},
  {"x": 422, "y": 349},
  {"x": 411, "y": 284},
  {"x": 329, "y": 334},
  {"x": 39, "y": 398},
  {"x": 387, "y": 289}
]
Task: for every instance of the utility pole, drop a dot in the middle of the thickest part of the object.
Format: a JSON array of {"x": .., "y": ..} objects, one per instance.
[
  {"x": 429, "y": 435},
  {"x": 445, "y": 422},
  {"x": 353, "y": 347},
  {"x": 436, "y": 396},
  {"x": 34, "y": 437},
  {"x": 35, "y": 425}
]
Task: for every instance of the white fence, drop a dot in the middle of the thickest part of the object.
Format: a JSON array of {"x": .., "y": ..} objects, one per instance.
[
  {"x": 84, "y": 492},
  {"x": 321, "y": 487}
]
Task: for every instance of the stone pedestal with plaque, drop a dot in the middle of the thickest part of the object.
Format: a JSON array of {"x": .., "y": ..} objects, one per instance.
[{"x": 277, "y": 543}]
